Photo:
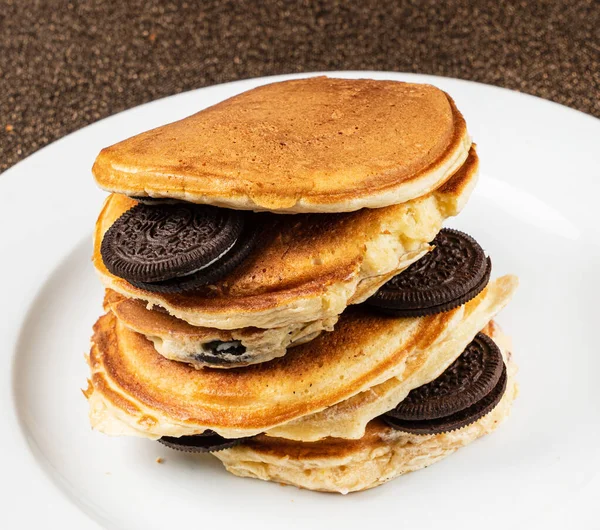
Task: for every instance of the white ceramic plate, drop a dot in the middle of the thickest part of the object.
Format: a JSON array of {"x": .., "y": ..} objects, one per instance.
[{"x": 536, "y": 212}]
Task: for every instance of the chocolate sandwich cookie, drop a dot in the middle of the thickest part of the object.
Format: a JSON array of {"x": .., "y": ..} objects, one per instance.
[
  {"x": 467, "y": 390},
  {"x": 207, "y": 442},
  {"x": 221, "y": 353},
  {"x": 173, "y": 248},
  {"x": 153, "y": 201},
  {"x": 453, "y": 273}
]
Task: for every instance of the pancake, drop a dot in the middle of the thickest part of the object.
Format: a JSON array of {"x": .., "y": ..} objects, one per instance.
[
  {"x": 134, "y": 390},
  {"x": 348, "y": 418},
  {"x": 343, "y": 466},
  {"x": 308, "y": 267},
  {"x": 179, "y": 341},
  {"x": 308, "y": 145}
]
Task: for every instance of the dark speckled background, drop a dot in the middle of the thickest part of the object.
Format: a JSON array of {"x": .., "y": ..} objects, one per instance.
[{"x": 65, "y": 64}]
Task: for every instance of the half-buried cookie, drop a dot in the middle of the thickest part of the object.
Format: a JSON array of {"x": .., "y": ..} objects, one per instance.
[
  {"x": 453, "y": 273},
  {"x": 207, "y": 442},
  {"x": 173, "y": 248},
  {"x": 467, "y": 390}
]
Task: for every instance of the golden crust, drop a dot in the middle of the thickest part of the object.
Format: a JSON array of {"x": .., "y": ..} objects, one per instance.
[
  {"x": 343, "y": 466},
  {"x": 306, "y": 267},
  {"x": 307, "y": 145},
  {"x": 137, "y": 391}
]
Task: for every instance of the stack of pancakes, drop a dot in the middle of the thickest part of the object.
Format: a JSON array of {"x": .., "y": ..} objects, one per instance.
[{"x": 280, "y": 291}]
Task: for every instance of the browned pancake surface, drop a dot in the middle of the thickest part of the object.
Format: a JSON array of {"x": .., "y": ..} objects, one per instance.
[{"x": 317, "y": 144}]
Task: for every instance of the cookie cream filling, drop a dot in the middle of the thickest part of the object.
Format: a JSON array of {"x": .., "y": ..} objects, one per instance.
[{"x": 205, "y": 266}]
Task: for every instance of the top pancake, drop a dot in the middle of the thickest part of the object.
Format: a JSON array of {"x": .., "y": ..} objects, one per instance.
[{"x": 308, "y": 145}]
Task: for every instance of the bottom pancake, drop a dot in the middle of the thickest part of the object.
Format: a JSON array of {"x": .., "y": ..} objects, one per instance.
[{"x": 383, "y": 453}]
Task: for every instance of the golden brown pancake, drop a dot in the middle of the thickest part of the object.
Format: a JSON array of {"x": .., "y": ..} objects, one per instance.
[
  {"x": 343, "y": 466},
  {"x": 306, "y": 267},
  {"x": 308, "y": 145},
  {"x": 134, "y": 390},
  {"x": 349, "y": 418},
  {"x": 179, "y": 341}
]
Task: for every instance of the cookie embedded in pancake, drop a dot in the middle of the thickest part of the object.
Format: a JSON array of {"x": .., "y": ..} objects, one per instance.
[
  {"x": 453, "y": 273},
  {"x": 171, "y": 248},
  {"x": 201, "y": 347},
  {"x": 218, "y": 348},
  {"x": 470, "y": 388},
  {"x": 207, "y": 442}
]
